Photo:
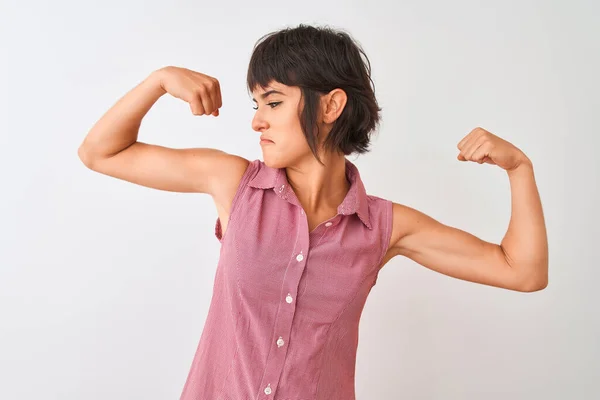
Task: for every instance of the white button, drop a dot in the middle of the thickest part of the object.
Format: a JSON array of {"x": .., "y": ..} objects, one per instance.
[
  {"x": 281, "y": 188},
  {"x": 268, "y": 389},
  {"x": 302, "y": 212},
  {"x": 288, "y": 298},
  {"x": 280, "y": 342},
  {"x": 328, "y": 224},
  {"x": 300, "y": 257}
]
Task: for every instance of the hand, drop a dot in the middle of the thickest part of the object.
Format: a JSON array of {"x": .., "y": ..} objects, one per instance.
[
  {"x": 202, "y": 92},
  {"x": 482, "y": 146}
]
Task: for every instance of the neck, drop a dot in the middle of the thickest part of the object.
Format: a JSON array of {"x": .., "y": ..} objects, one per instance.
[{"x": 319, "y": 188}]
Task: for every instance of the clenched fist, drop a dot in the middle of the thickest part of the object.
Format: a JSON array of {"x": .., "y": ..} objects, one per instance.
[
  {"x": 482, "y": 146},
  {"x": 202, "y": 92}
]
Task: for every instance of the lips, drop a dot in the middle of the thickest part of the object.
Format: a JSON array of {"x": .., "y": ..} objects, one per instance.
[{"x": 266, "y": 139}]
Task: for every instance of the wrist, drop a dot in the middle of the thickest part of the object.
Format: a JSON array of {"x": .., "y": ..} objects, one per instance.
[
  {"x": 524, "y": 164},
  {"x": 156, "y": 79}
]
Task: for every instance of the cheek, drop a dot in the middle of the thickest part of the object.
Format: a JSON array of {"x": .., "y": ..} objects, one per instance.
[
  {"x": 297, "y": 143},
  {"x": 291, "y": 138}
]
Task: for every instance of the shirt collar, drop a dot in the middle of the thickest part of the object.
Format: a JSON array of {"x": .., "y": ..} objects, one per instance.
[{"x": 355, "y": 202}]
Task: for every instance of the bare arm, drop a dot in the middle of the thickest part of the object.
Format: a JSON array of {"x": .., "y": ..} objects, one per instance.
[
  {"x": 119, "y": 126},
  {"x": 112, "y": 148},
  {"x": 519, "y": 262},
  {"x": 525, "y": 244}
]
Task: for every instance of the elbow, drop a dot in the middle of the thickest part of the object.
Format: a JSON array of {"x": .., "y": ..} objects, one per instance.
[
  {"x": 85, "y": 157},
  {"x": 531, "y": 276},
  {"x": 535, "y": 287},
  {"x": 535, "y": 284}
]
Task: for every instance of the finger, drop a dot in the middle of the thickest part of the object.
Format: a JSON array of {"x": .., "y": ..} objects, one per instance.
[
  {"x": 466, "y": 139},
  {"x": 481, "y": 153},
  {"x": 213, "y": 94},
  {"x": 488, "y": 160},
  {"x": 478, "y": 155},
  {"x": 219, "y": 99},
  {"x": 472, "y": 146},
  {"x": 461, "y": 144},
  {"x": 207, "y": 101},
  {"x": 196, "y": 106}
]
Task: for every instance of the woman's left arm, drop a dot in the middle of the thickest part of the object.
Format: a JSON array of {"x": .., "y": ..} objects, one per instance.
[{"x": 519, "y": 262}]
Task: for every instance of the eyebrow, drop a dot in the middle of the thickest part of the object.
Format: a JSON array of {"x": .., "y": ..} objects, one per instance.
[{"x": 267, "y": 94}]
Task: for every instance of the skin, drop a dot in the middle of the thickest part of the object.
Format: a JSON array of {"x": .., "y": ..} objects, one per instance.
[
  {"x": 519, "y": 262},
  {"x": 320, "y": 189}
]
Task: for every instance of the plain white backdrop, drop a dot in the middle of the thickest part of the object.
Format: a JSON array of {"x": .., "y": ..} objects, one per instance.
[{"x": 105, "y": 285}]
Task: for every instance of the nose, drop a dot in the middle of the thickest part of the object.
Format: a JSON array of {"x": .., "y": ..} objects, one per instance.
[{"x": 258, "y": 122}]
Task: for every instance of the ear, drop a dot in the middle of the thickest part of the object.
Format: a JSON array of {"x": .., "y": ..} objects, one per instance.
[{"x": 333, "y": 104}]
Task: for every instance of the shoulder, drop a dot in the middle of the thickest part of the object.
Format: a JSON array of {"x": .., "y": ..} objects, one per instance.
[
  {"x": 379, "y": 206},
  {"x": 235, "y": 172},
  {"x": 400, "y": 219},
  {"x": 232, "y": 169},
  {"x": 407, "y": 221},
  {"x": 380, "y": 214}
]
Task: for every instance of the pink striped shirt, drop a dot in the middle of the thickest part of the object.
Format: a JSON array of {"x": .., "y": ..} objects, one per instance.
[{"x": 286, "y": 304}]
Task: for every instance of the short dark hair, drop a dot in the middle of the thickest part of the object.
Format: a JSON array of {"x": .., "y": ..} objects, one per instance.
[{"x": 318, "y": 60}]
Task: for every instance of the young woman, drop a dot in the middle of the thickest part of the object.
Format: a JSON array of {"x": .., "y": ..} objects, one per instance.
[{"x": 301, "y": 241}]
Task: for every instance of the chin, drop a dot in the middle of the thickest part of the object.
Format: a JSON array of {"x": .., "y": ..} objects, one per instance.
[
  {"x": 275, "y": 160},
  {"x": 274, "y": 163},
  {"x": 281, "y": 159}
]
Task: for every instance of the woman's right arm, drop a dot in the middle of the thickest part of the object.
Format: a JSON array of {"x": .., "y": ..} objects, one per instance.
[{"x": 112, "y": 148}]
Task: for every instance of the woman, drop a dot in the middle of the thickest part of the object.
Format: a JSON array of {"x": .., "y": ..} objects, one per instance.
[{"x": 301, "y": 241}]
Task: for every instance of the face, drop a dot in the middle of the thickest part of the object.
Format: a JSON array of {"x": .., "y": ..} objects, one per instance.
[{"x": 277, "y": 119}]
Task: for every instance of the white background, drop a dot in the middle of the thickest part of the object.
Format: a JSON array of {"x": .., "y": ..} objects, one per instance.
[{"x": 105, "y": 285}]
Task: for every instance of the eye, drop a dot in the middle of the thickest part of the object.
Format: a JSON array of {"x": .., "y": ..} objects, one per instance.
[{"x": 273, "y": 105}]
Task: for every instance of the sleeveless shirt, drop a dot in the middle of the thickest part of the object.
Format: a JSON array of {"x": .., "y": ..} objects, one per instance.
[{"x": 284, "y": 315}]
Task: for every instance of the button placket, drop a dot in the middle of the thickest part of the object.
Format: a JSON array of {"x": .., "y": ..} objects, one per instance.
[{"x": 276, "y": 358}]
